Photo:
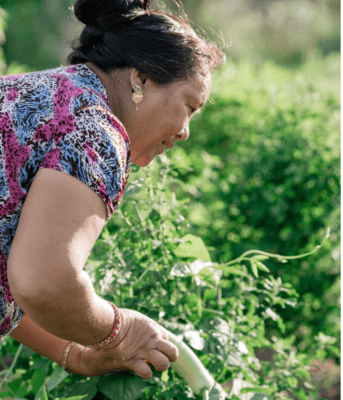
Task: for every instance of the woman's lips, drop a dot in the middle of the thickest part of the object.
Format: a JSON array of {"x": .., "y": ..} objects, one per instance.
[{"x": 168, "y": 145}]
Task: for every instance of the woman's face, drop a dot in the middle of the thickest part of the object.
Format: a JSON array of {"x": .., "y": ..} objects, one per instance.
[{"x": 163, "y": 116}]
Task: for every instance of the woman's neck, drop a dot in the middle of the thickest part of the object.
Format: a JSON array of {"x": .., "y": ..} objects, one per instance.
[{"x": 107, "y": 82}]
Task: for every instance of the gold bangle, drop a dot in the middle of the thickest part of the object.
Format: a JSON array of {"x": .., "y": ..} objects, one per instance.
[{"x": 65, "y": 356}]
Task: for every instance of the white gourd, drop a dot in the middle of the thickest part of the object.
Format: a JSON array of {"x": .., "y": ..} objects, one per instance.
[{"x": 190, "y": 368}]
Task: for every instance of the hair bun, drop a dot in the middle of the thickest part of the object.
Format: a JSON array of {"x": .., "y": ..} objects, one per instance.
[{"x": 92, "y": 12}]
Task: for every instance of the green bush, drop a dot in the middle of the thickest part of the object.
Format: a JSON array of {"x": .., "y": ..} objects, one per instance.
[
  {"x": 261, "y": 170},
  {"x": 145, "y": 260}
]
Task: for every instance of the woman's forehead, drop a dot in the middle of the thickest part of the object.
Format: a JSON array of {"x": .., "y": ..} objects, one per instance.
[{"x": 198, "y": 86}]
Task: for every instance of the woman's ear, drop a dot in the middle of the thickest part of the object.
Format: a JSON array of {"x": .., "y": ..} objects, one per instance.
[{"x": 137, "y": 78}]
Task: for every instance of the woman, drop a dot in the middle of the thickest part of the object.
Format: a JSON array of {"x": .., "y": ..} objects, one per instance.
[{"x": 133, "y": 82}]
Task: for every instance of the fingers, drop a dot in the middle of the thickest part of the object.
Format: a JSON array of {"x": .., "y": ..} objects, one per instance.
[
  {"x": 142, "y": 369},
  {"x": 166, "y": 347},
  {"x": 158, "y": 360},
  {"x": 169, "y": 349},
  {"x": 145, "y": 342},
  {"x": 154, "y": 357}
]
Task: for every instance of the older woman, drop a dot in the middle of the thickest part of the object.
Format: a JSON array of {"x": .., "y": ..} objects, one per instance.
[{"x": 134, "y": 80}]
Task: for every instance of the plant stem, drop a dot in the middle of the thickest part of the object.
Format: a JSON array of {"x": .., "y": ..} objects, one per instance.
[
  {"x": 213, "y": 311},
  {"x": 147, "y": 270},
  {"x": 219, "y": 297},
  {"x": 12, "y": 365},
  {"x": 242, "y": 257},
  {"x": 138, "y": 213},
  {"x": 199, "y": 302}
]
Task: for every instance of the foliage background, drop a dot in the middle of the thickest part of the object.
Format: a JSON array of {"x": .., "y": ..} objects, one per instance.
[{"x": 261, "y": 167}]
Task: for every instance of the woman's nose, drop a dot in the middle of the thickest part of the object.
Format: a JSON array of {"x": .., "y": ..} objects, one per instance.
[{"x": 183, "y": 135}]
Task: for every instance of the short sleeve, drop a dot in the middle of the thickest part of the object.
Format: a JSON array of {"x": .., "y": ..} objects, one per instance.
[{"x": 92, "y": 148}]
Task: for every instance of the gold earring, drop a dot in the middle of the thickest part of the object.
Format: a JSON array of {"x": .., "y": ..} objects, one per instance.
[{"x": 137, "y": 96}]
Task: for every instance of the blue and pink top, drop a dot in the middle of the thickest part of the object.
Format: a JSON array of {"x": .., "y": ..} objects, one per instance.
[{"x": 58, "y": 119}]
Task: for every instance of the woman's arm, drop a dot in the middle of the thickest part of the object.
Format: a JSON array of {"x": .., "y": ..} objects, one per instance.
[
  {"x": 39, "y": 340},
  {"x": 50, "y": 346},
  {"x": 60, "y": 221}
]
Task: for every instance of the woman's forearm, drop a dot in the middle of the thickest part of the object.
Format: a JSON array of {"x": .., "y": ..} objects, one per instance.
[
  {"x": 72, "y": 313},
  {"x": 80, "y": 360},
  {"x": 39, "y": 340}
]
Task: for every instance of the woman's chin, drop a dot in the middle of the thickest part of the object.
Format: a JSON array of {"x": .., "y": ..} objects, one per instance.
[{"x": 142, "y": 162}]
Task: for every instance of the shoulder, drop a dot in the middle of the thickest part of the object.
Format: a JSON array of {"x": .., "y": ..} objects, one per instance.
[{"x": 107, "y": 132}]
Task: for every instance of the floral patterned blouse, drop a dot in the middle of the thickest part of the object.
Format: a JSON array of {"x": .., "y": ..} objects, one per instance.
[{"x": 58, "y": 119}]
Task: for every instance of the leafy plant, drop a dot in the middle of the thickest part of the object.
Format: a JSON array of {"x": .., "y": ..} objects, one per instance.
[
  {"x": 145, "y": 260},
  {"x": 152, "y": 257}
]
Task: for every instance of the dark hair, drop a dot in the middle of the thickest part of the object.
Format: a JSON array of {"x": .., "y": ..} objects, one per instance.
[{"x": 126, "y": 33}]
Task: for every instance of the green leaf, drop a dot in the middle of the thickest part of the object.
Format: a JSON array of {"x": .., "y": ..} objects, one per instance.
[
  {"x": 87, "y": 388},
  {"x": 41, "y": 363},
  {"x": 265, "y": 391},
  {"x": 208, "y": 277},
  {"x": 122, "y": 386},
  {"x": 261, "y": 257},
  {"x": 132, "y": 188},
  {"x": 335, "y": 351},
  {"x": 37, "y": 380},
  {"x": 292, "y": 381},
  {"x": 58, "y": 376},
  {"x": 234, "y": 270},
  {"x": 272, "y": 314},
  {"x": 262, "y": 266},
  {"x": 14, "y": 385},
  {"x": 254, "y": 268},
  {"x": 217, "y": 393},
  {"x": 41, "y": 395},
  {"x": 180, "y": 270},
  {"x": 165, "y": 376},
  {"x": 193, "y": 246},
  {"x": 23, "y": 390},
  {"x": 72, "y": 398},
  {"x": 282, "y": 260},
  {"x": 324, "y": 339},
  {"x": 235, "y": 359},
  {"x": 261, "y": 396},
  {"x": 105, "y": 234}
]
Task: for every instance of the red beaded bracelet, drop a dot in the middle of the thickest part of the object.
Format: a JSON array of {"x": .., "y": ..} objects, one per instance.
[{"x": 114, "y": 332}]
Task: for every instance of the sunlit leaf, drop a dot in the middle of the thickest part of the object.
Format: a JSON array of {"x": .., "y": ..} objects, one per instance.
[
  {"x": 194, "y": 339},
  {"x": 193, "y": 246},
  {"x": 132, "y": 188},
  {"x": 233, "y": 270},
  {"x": 272, "y": 314},
  {"x": 262, "y": 266},
  {"x": 254, "y": 268},
  {"x": 208, "y": 276},
  {"x": 180, "y": 270}
]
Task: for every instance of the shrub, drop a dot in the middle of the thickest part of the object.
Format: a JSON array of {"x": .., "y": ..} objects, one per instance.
[{"x": 261, "y": 170}]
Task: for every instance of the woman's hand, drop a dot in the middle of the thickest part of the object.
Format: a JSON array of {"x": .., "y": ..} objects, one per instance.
[{"x": 140, "y": 341}]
